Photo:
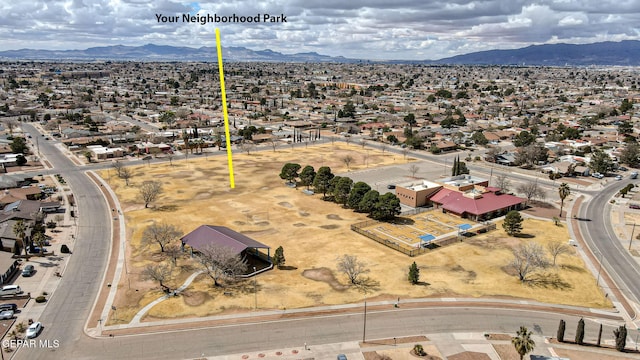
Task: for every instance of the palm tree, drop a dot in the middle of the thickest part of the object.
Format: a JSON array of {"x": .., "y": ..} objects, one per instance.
[
  {"x": 40, "y": 239},
  {"x": 20, "y": 230},
  {"x": 563, "y": 191},
  {"x": 523, "y": 342}
]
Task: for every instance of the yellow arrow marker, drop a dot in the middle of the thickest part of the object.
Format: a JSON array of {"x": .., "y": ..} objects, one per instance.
[{"x": 225, "y": 112}]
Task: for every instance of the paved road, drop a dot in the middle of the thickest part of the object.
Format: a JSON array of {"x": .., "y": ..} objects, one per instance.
[
  {"x": 314, "y": 331},
  {"x": 601, "y": 238},
  {"x": 68, "y": 309}
]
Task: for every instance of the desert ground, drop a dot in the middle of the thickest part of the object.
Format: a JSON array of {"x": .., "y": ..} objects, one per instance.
[{"x": 313, "y": 234}]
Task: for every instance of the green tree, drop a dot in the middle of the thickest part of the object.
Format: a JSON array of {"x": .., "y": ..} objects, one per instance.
[
  {"x": 19, "y": 146},
  {"x": 625, "y": 106},
  {"x": 621, "y": 337},
  {"x": 479, "y": 138},
  {"x": 40, "y": 239},
  {"x": 342, "y": 190},
  {"x": 349, "y": 110},
  {"x": 357, "y": 193},
  {"x": 523, "y": 342},
  {"x": 600, "y": 162},
  {"x": 524, "y": 138},
  {"x": 167, "y": 117},
  {"x": 289, "y": 172},
  {"x": 368, "y": 202},
  {"x": 512, "y": 224},
  {"x": 387, "y": 208},
  {"x": 21, "y": 160},
  {"x": 307, "y": 175},
  {"x": 321, "y": 182},
  {"x": 561, "y": 328},
  {"x": 278, "y": 257},
  {"x": 580, "y": 332},
  {"x": 563, "y": 192},
  {"x": 20, "y": 231},
  {"x": 414, "y": 274},
  {"x": 625, "y": 128},
  {"x": 410, "y": 119},
  {"x": 443, "y": 94},
  {"x": 392, "y": 139}
]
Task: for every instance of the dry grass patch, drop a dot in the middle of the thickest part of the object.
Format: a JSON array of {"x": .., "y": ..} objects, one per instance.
[{"x": 313, "y": 234}]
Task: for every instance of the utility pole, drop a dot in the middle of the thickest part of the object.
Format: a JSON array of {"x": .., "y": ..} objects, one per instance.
[
  {"x": 255, "y": 289},
  {"x": 632, "y": 231}
]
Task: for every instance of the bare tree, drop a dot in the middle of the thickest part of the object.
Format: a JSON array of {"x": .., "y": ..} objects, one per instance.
[
  {"x": 161, "y": 234},
  {"x": 531, "y": 190},
  {"x": 503, "y": 182},
  {"x": 274, "y": 144},
  {"x": 182, "y": 113},
  {"x": 347, "y": 159},
  {"x": 173, "y": 251},
  {"x": 347, "y": 140},
  {"x": 384, "y": 147},
  {"x": 149, "y": 191},
  {"x": 11, "y": 124},
  {"x": 157, "y": 272},
  {"x": 365, "y": 159},
  {"x": 557, "y": 248},
  {"x": 117, "y": 165},
  {"x": 363, "y": 142},
  {"x": 126, "y": 174},
  {"x": 170, "y": 157},
  {"x": 350, "y": 266},
  {"x": 404, "y": 152},
  {"x": 222, "y": 263},
  {"x": 247, "y": 147},
  {"x": 413, "y": 169},
  {"x": 528, "y": 258}
]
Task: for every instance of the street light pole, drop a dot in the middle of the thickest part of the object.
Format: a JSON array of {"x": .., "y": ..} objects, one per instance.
[{"x": 364, "y": 328}]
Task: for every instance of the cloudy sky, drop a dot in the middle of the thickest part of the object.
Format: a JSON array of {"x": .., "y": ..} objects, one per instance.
[{"x": 367, "y": 29}]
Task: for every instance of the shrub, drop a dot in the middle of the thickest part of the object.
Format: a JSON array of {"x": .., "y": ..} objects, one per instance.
[
  {"x": 51, "y": 224},
  {"x": 419, "y": 350},
  {"x": 64, "y": 249},
  {"x": 41, "y": 299}
]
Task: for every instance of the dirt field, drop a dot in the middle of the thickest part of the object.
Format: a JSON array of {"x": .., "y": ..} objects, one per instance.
[{"x": 313, "y": 234}]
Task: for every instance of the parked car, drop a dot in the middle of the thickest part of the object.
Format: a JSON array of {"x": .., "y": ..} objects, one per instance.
[
  {"x": 36, "y": 249},
  {"x": 7, "y": 314},
  {"x": 342, "y": 357},
  {"x": 634, "y": 206},
  {"x": 618, "y": 177},
  {"x": 10, "y": 290},
  {"x": 11, "y": 306},
  {"x": 391, "y": 186},
  {"x": 28, "y": 270},
  {"x": 34, "y": 329}
]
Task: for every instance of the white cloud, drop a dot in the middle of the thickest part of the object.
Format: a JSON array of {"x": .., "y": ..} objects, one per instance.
[{"x": 380, "y": 29}]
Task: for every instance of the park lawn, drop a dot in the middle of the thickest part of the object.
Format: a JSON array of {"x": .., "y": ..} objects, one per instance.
[{"x": 313, "y": 234}]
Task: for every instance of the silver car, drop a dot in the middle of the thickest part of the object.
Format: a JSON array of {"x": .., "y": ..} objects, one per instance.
[{"x": 7, "y": 314}]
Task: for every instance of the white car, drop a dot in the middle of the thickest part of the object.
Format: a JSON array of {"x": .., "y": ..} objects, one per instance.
[
  {"x": 618, "y": 177},
  {"x": 34, "y": 329},
  {"x": 7, "y": 314}
]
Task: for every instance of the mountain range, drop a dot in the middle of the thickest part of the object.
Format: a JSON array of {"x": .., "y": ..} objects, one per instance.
[{"x": 624, "y": 53}]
